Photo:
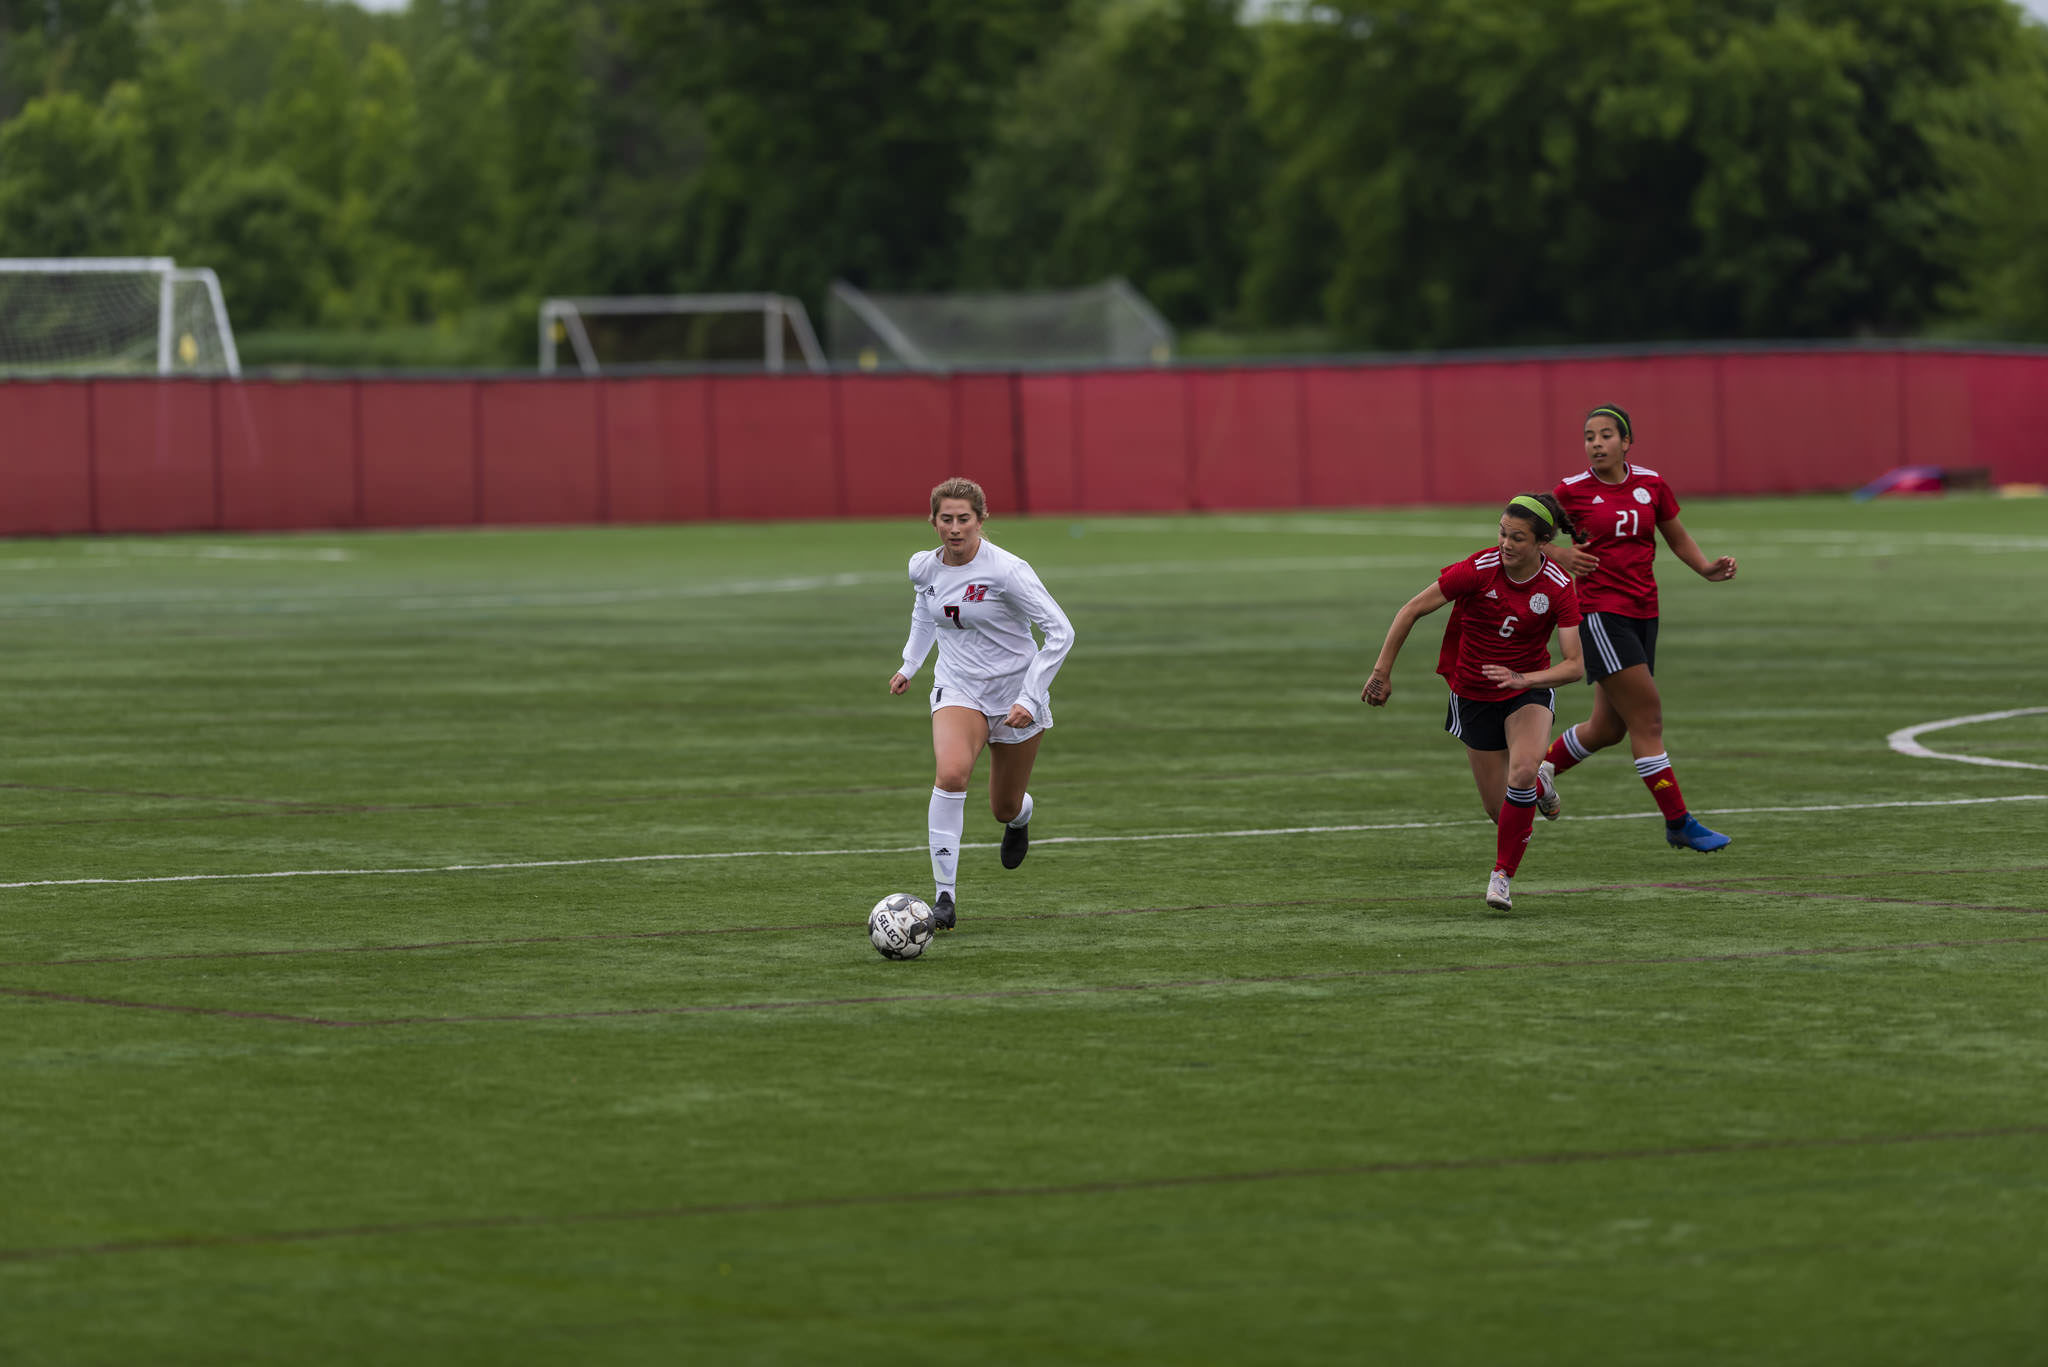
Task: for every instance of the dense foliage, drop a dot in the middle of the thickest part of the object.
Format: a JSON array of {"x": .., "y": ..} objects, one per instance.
[{"x": 1460, "y": 173}]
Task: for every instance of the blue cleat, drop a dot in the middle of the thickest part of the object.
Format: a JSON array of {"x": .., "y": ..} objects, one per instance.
[{"x": 1693, "y": 836}]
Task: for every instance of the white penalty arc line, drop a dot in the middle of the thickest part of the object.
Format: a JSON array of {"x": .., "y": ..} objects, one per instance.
[
  {"x": 1904, "y": 739},
  {"x": 970, "y": 845}
]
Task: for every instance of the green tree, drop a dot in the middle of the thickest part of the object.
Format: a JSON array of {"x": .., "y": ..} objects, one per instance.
[
  {"x": 1128, "y": 151},
  {"x": 835, "y": 148},
  {"x": 303, "y": 122},
  {"x": 267, "y": 235},
  {"x": 1480, "y": 172},
  {"x": 81, "y": 47},
  {"x": 1997, "y": 143},
  {"x": 74, "y": 178}
]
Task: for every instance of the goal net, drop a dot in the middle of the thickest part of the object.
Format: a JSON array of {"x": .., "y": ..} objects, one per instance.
[
  {"x": 112, "y": 316},
  {"x": 615, "y": 333},
  {"x": 1103, "y": 324}
]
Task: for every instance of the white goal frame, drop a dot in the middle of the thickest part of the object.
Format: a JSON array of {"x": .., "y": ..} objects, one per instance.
[
  {"x": 169, "y": 276},
  {"x": 776, "y": 310}
]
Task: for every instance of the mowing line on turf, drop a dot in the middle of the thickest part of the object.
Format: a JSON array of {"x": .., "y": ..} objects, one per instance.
[
  {"x": 1251, "y": 833},
  {"x": 1386, "y": 1167},
  {"x": 1708, "y": 885},
  {"x": 1015, "y": 993}
]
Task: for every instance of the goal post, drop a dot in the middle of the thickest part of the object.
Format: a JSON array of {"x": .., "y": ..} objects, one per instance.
[
  {"x": 638, "y": 331},
  {"x": 140, "y": 315},
  {"x": 1105, "y": 324}
]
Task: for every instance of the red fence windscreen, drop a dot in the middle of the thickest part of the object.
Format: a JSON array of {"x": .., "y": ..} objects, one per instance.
[{"x": 138, "y": 455}]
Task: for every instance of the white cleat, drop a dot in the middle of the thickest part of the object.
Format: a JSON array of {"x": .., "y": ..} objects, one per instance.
[
  {"x": 1497, "y": 892},
  {"x": 1548, "y": 803}
]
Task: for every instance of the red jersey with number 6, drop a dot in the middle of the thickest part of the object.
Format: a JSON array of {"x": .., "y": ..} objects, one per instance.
[
  {"x": 1495, "y": 621},
  {"x": 1619, "y": 524}
]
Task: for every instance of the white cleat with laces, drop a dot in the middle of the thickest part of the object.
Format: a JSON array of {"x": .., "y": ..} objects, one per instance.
[
  {"x": 1548, "y": 803},
  {"x": 1497, "y": 892}
]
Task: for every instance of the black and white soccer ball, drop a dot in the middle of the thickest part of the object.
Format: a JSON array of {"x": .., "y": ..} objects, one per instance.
[{"x": 901, "y": 926}]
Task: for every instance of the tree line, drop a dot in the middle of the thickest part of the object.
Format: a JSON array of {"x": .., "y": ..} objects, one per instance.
[{"x": 1387, "y": 173}]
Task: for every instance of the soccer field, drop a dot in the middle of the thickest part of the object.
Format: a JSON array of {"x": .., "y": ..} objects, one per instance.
[{"x": 448, "y": 948}]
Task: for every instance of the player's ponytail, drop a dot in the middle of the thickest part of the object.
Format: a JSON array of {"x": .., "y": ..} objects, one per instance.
[{"x": 1545, "y": 516}]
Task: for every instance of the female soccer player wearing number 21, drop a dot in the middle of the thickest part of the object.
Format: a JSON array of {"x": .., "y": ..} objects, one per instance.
[
  {"x": 993, "y": 684},
  {"x": 1615, "y": 504}
]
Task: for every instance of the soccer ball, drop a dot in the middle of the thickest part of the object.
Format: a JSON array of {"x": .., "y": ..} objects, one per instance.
[{"x": 900, "y": 926}]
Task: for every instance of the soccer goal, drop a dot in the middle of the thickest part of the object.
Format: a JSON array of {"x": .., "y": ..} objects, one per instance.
[
  {"x": 143, "y": 315},
  {"x": 1108, "y": 323},
  {"x": 663, "y": 331}
]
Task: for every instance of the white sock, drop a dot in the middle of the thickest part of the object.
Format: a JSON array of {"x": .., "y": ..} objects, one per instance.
[
  {"x": 946, "y": 817},
  {"x": 1023, "y": 816}
]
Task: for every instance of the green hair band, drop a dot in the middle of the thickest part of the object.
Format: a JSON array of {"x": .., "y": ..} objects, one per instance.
[
  {"x": 1533, "y": 505},
  {"x": 1618, "y": 416}
]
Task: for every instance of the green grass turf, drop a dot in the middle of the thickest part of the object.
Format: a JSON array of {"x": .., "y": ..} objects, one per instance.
[{"x": 1248, "y": 1098}]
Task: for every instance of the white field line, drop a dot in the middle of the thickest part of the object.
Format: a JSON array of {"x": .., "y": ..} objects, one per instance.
[
  {"x": 1904, "y": 740},
  {"x": 972, "y": 845}
]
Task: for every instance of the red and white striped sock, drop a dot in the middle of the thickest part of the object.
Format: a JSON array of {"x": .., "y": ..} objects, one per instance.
[
  {"x": 1566, "y": 750},
  {"x": 1662, "y": 781}
]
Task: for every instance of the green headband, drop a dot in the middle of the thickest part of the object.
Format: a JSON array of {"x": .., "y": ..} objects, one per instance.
[
  {"x": 1534, "y": 506},
  {"x": 1619, "y": 417}
]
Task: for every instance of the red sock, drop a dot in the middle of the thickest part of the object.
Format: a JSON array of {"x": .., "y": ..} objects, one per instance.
[
  {"x": 1566, "y": 750},
  {"x": 1662, "y": 781},
  {"x": 1517, "y": 820}
]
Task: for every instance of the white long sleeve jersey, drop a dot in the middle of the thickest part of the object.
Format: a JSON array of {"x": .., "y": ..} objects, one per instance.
[{"x": 981, "y": 614}]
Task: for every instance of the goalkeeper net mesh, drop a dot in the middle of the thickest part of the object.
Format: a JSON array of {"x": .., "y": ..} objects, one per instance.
[
  {"x": 142, "y": 316},
  {"x": 1104, "y": 324},
  {"x": 624, "y": 333}
]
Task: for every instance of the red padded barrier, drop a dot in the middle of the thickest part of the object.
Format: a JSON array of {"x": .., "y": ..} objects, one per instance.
[
  {"x": 1363, "y": 439},
  {"x": 1486, "y": 432},
  {"x": 1248, "y": 441},
  {"x": 154, "y": 457},
  {"x": 287, "y": 455},
  {"x": 539, "y": 447},
  {"x": 1670, "y": 402},
  {"x": 419, "y": 453},
  {"x": 1937, "y": 411},
  {"x": 777, "y": 447},
  {"x": 1133, "y": 451},
  {"x": 986, "y": 432},
  {"x": 45, "y": 458},
  {"x": 657, "y": 450},
  {"x": 1810, "y": 420},
  {"x": 150, "y": 455},
  {"x": 897, "y": 435},
  {"x": 1049, "y": 414},
  {"x": 2009, "y": 417}
]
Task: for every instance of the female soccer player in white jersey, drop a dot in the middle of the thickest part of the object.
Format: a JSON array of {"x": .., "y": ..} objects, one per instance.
[
  {"x": 1496, "y": 658},
  {"x": 1615, "y": 504},
  {"x": 992, "y": 686}
]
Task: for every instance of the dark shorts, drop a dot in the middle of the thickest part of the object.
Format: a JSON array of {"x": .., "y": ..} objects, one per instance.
[
  {"x": 1612, "y": 643},
  {"x": 1484, "y": 725}
]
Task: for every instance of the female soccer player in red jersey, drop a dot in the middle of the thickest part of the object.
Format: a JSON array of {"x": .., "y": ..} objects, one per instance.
[
  {"x": 1615, "y": 504},
  {"x": 992, "y": 686},
  {"x": 1496, "y": 659}
]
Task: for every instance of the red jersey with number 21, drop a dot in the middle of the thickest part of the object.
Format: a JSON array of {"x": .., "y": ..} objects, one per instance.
[
  {"x": 1619, "y": 524},
  {"x": 1495, "y": 621}
]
